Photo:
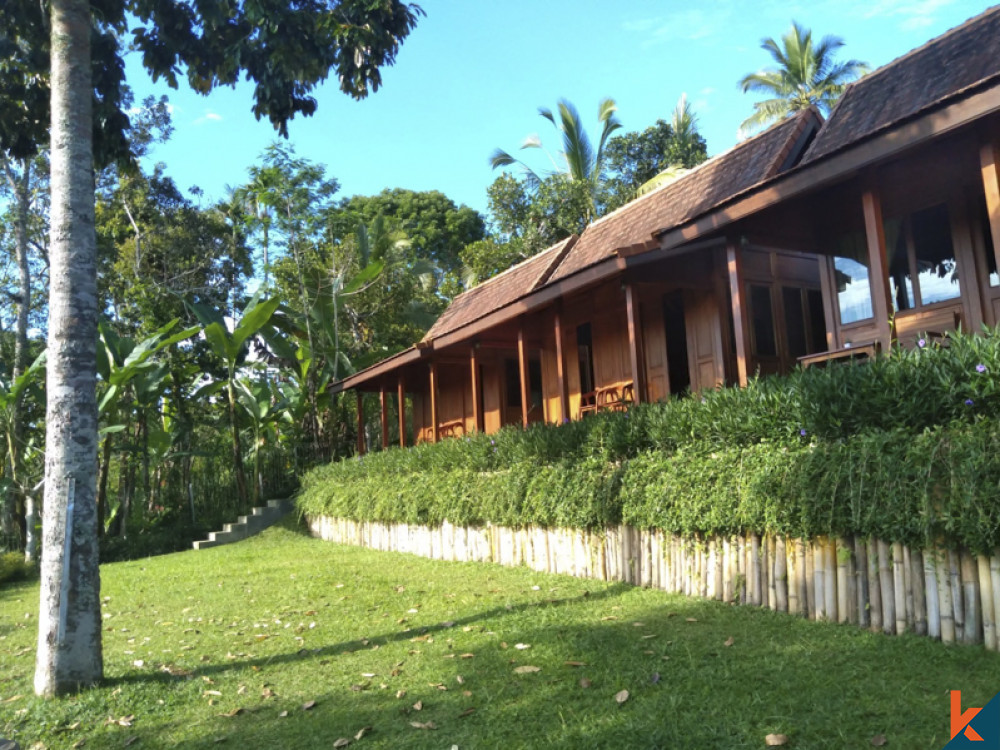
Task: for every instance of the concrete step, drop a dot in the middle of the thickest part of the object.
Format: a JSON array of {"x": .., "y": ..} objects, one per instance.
[{"x": 256, "y": 521}]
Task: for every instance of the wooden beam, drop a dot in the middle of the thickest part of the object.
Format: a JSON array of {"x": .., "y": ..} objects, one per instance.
[
  {"x": 434, "y": 402},
  {"x": 635, "y": 345},
  {"x": 361, "y": 422},
  {"x": 989, "y": 161},
  {"x": 878, "y": 265},
  {"x": 561, "y": 382},
  {"x": 477, "y": 405},
  {"x": 384, "y": 408},
  {"x": 740, "y": 312},
  {"x": 401, "y": 399},
  {"x": 522, "y": 366}
]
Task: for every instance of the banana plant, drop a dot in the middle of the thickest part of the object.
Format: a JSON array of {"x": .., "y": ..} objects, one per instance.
[
  {"x": 265, "y": 405},
  {"x": 131, "y": 381},
  {"x": 228, "y": 348}
]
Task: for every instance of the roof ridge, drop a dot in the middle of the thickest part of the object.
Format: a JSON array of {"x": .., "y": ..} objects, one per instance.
[
  {"x": 514, "y": 267},
  {"x": 906, "y": 55}
]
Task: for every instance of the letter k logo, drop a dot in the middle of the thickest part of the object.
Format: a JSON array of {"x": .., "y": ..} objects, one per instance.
[{"x": 960, "y": 721}]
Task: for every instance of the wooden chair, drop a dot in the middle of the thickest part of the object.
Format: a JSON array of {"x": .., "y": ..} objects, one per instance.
[
  {"x": 863, "y": 352},
  {"x": 454, "y": 428}
]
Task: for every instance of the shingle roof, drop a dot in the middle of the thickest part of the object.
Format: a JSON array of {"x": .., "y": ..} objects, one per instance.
[
  {"x": 500, "y": 291},
  {"x": 942, "y": 69},
  {"x": 706, "y": 186}
]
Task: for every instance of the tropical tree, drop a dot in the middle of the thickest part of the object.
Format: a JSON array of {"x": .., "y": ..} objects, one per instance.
[
  {"x": 287, "y": 56},
  {"x": 578, "y": 159},
  {"x": 806, "y": 75}
]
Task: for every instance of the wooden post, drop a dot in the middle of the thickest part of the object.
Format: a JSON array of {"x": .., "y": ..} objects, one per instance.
[
  {"x": 522, "y": 365},
  {"x": 635, "y": 345},
  {"x": 361, "y": 422},
  {"x": 878, "y": 264},
  {"x": 477, "y": 404},
  {"x": 561, "y": 368},
  {"x": 434, "y": 403},
  {"x": 741, "y": 315},
  {"x": 401, "y": 398},
  {"x": 385, "y": 416},
  {"x": 989, "y": 162}
]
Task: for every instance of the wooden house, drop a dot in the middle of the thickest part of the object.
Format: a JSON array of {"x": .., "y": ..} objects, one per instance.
[{"x": 813, "y": 241}]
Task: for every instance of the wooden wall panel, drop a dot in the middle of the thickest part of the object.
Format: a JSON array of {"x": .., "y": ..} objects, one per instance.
[
  {"x": 705, "y": 354},
  {"x": 572, "y": 366},
  {"x": 492, "y": 396},
  {"x": 550, "y": 383},
  {"x": 421, "y": 418},
  {"x": 655, "y": 349}
]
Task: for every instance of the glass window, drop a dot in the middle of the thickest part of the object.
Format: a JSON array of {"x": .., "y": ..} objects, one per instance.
[
  {"x": 795, "y": 321},
  {"x": 937, "y": 272},
  {"x": 854, "y": 292},
  {"x": 900, "y": 279},
  {"x": 762, "y": 321},
  {"x": 585, "y": 357},
  {"x": 817, "y": 321},
  {"x": 991, "y": 258}
]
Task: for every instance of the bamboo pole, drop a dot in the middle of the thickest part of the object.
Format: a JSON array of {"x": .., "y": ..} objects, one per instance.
[
  {"x": 802, "y": 577},
  {"x": 919, "y": 596},
  {"x": 792, "y": 568},
  {"x": 819, "y": 576},
  {"x": 955, "y": 579},
  {"x": 830, "y": 578},
  {"x": 931, "y": 595},
  {"x": 742, "y": 593},
  {"x": 888, "y": 594},
  {"x": 756, "y": 592},
  {"x": 861, "y": 587},
  {"x": 843, "y": 558},
  {"x": 874, "y": 587},
  {"x": 908, "y": 587},
  {"x": 944, "y": 598},
  {"x": 995, "y": 588},
  {"x": 780, "y": 575},
  {"x": 986, "y": 602},
  {"x": 810, "y": 576},
  {"x": 970, "y": 589},
  {"x": 769, "y": 568},
  {"x": 898, "y": 588}
]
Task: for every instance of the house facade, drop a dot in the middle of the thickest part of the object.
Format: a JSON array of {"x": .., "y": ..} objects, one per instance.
[{"x": 813, "y": 241}]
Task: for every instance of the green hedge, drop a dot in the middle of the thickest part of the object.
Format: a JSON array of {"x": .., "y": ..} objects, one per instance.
[{"x": 901, "y": 448}]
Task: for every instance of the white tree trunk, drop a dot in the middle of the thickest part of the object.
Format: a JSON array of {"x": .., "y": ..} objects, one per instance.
[{"x": 69, "y": 626}]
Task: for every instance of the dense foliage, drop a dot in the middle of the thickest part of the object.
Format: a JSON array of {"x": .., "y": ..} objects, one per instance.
[{"x": 900, "y": 448}]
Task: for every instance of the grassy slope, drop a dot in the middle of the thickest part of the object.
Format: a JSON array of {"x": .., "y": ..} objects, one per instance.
[{"x": 237, "y": 620}]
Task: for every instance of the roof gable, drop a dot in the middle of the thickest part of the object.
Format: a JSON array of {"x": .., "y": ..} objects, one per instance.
[
  {"x": 500, "y": 290},
  {"x": 722, "y": 177},
  {"x": 943, "y": 69}
]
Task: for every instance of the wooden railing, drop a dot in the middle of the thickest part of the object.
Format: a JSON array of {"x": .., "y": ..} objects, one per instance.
[{"x": 617, "y": 397}]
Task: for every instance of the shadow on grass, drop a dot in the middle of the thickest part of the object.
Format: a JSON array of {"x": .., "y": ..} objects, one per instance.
[
  {"x": 346, "y": 647},
  {"x": 823, "y": 685}
]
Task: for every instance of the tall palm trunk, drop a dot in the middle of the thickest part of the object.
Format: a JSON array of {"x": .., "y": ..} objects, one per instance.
[
  {"x": 238, "y": 469},
  {"x": 69, "y": 617}
]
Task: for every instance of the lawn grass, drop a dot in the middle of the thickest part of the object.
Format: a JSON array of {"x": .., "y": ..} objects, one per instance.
[{"x": 261, "y": 628}]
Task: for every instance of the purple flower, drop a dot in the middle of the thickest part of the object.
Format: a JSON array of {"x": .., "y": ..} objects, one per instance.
[
  {"x": 969, "y": 402},
  {"x": 803, "y": 432},
  {"x": 565, "y": 420},
  {"x": 493, "y": 442},
  {"x": 921, "y": 343},
  {"x": 980, "y": 367}
]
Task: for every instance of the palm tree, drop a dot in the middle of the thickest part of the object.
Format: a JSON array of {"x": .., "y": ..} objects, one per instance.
[
  {"x": 806, "y": 75},
  {"x": 579, "y": 160}
]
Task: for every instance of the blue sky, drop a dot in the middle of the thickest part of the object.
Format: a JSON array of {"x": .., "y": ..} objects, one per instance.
[{"x": 472, "y": 75}]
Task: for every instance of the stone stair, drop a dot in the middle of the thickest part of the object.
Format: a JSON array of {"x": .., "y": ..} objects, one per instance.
[{"x": 246, "y": 526}]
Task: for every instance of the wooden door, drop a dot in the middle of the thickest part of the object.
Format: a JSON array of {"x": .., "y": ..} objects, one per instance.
[
  {"x": 704, "y": 340},
  {"x": 654, "y": 344}
]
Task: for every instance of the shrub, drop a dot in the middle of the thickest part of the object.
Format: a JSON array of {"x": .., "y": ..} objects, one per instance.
[{"x": 14, "y": 568}]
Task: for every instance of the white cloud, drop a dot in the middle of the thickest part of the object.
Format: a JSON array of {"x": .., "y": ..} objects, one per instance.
[
  {"x": 913, "y": 14},
  {"x": 209, "y": 116},
  {"x": 692, "y": 24}
]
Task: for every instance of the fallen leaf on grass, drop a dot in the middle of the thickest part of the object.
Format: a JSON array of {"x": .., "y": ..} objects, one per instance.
[
  {"x": 234, "y": 712},
  {"x": 879, "y": 740},
  {"x": 526, "y": 669},
  {"x": 522, "y": 646},
  {"x": 609, "y": 617},
  {"x": 466, "y": 712},
  {"x": 138, "y": 663},
  {"x": 424, "y": 725},
  {"x": 418, "y": 706},
  {"x": 621, "y": 696},
  {"x": 774, "y": 740},
  {"x": 691, "y": 619},
  {"x": 212, "y": 692},
  {"x": 459, "y": 679},
  {"x": 585, "y": 683},
  {"x": 131, "y": 740},
  {"x": 467, "y": 656},
  {"x": 729, "y": 641},
  {"x": 283, "y": 715},
  {"x": 341, "y": 742},
  {"x": 400, "y": 693},
  {"x": 362, "y": 732},
  {"x": 367, "y": 674},
  {"x": 308, "y": 705},
  {"x": 655, "y": 678},
  {"x": 575, "y": 663}
]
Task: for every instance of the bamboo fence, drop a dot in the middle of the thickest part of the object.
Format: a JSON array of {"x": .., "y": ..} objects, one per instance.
[{"x": 888, "y": 587}]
